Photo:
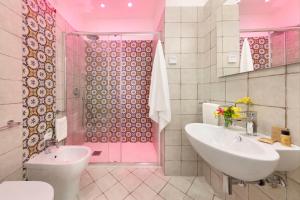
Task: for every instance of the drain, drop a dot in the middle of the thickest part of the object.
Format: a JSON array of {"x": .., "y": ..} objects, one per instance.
[{"x": 96, "y": 153}]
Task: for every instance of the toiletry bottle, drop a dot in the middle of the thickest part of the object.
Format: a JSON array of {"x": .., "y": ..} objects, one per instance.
[
  {"x": 285, "y": 137},
  {"x": 249, "y": 127}
]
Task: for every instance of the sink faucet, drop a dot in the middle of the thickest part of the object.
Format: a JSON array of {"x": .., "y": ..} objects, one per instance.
[
  {"x": 250, "y": 122},
  {"x": 49, "y": 143}
]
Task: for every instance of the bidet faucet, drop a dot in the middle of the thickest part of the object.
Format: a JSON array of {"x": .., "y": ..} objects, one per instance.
[{"x": 49, "y": 143}]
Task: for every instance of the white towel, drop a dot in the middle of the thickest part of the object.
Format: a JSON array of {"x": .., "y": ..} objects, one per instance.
[
  {"x": 246, "y": 63},
  {"x": 208, "y": 110},
  {"x": 159, "y": 98},
  {"x": 61, "y": 129}
]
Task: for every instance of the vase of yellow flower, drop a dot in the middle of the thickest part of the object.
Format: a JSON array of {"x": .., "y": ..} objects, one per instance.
[{"x": 229, "y": 113}]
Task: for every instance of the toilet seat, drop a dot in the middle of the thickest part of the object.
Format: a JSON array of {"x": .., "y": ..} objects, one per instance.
[{"x": 26, "y": 190}]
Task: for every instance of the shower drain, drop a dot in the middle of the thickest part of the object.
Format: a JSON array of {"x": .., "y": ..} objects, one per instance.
[{"x": 96, "y": 153}]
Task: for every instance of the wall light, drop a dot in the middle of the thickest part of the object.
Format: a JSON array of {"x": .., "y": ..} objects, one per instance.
[{"x": 102, "y": 5}]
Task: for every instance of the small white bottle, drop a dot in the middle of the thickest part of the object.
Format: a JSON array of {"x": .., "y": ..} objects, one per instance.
[{"x": 250, "y": 128}]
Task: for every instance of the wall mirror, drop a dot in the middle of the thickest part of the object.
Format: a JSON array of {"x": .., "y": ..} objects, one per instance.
[{"x": 257, "y": 35}]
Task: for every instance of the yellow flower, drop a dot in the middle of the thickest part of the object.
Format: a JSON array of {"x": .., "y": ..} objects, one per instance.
[
  {"x": 236, "y": 112},
  {"x": 244, "y": 100}
]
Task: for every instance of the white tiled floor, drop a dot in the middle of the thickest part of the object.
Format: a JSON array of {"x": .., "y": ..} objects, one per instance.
[{"x": 100, "y": 182}]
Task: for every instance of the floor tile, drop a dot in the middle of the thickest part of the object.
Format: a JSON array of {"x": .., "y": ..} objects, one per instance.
[
  {"x": 85, "y": 180},
  {"x": 90, "y": 192},
  {"x": 171, "y": 193},
  {"x": 117, "y": 192},
  {"x": 183, "y": 183},
  {"x": 200, "y": 189},
  {"x": 131, "y": 182},
  {"x": 155, "y": 183},
  {"x": 106, "y": 182},
  {"x": 120, "y": 173},
  {"x": 96, "y": 172},
  {"x": 102, "y": 197},
  {"x": 143, "y": 192},
  {"x": 159, "y": 172},
  {"x": 142, "y": 173},
  {"x": 130, "y": 197}
]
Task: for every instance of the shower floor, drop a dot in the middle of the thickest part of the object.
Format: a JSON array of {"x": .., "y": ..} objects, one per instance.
[{"x": 123, "y": 152}]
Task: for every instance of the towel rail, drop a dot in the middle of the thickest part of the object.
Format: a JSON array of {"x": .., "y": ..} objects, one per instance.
[{"x": 10, "y": 124}]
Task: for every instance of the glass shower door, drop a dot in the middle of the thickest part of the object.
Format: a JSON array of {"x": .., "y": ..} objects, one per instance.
[{"x": 103, "y": 97}]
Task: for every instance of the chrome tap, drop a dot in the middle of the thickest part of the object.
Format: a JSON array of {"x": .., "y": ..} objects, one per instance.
[
  {"x": 250, "y": 122},
  {"x": 49, "y": 143}
]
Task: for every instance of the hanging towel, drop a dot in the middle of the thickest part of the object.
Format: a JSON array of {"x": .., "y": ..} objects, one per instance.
[
  {"x": 159, "y": 98},
  {"x": 246, "y": 63},
  {"x": 61, "y": 128},
  {"x": 208, "y": 110}
]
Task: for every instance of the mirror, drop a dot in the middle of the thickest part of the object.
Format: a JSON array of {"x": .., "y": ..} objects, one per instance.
[{"x": 257, "y": 34}]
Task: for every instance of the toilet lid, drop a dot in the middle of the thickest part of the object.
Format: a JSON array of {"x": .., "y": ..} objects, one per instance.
[{"x": 26, "y": 190}]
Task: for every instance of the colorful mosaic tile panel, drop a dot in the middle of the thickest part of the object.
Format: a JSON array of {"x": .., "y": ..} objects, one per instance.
[
  {"x": 118, "y": 83},
  {"x": 38, "y": 74}
]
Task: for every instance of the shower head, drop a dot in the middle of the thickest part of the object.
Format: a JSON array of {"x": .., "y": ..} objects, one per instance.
[{"x": 92, "y": 37}]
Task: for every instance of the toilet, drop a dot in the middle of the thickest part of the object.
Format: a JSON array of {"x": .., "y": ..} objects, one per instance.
[{"x": 26, "y": 190}]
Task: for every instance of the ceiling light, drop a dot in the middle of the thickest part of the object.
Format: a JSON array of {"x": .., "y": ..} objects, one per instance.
[
  {"x": 102, "y": 5},
  {"x": 267, "y": 1},
  {"x": 130, "y": 4}
]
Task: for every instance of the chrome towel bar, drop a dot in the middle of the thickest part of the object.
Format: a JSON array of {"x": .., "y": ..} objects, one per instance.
[{"x": 10, "y": 124}]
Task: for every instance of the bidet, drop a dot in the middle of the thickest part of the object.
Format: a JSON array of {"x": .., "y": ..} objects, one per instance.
[{"x": 61, "y": 168}]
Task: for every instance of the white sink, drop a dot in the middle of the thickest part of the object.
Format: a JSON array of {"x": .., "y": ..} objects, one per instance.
[
  {"x": 289, "y": 157},
  {"x": 61, "y": 168},
  {"x": 232, "y": 154}
]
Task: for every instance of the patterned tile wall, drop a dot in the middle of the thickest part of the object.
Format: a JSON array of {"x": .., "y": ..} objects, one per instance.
[
  {"x": 260, "y": 51},
  {"x": 117, "y": 90},
  {"x": 38, "y": 74}
]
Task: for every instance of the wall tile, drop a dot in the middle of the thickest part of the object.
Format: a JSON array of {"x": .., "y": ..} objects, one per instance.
[
  {"x": 10, "y": 91},
  {"x": 172, "y": 137},
  {"x": 272, "y": 87},
  {"x": 268, "y": 117},
  {"x": 10, "y": 22},
  {"x": 236, "y": 89},
  {"x": 189, "y": 60},
  {"x": 189, "y": 29},
  {"x": 13, "y": 41},
  {"x": 172, "y": 45},
  {"x": 189, "y": 14},
  {"x": 10, "y": 162},
  {"x": 293, "y": 90},
  {"x": 189, "y": 91},
  {"x": 172, "y": 30},
  {"x": 188, "y": 153},
  {"x": 189, "y": 76},
  {"x": 189, "y": 45},
  {"x": 11, "y": 68},
  {"x": 189, "y": 168},
  {"x": 293, "y": 192},
  {"x": 172, "y": 168},
  {"x": 189, "y": 107},
  {"x": 172, "y": 152},
  {"x": 256, "y": 194},
  {"x": 172, "y": 14},
  {"x": 174, "y": 91},
  {"x": 174, "y": 75}
]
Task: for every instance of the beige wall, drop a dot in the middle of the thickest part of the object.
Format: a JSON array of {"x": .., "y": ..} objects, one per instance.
[
  {"x": 10, "y": 89},
  {"x": 276, "y": 93},
  {"x": 181, "y": 41}
]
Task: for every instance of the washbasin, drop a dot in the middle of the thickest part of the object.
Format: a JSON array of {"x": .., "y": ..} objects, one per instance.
[{"x": 229, "y": 152}]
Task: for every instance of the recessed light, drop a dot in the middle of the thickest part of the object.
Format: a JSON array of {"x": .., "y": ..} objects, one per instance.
[
  {"x": 130, "y": 4},
  {"x": 102, "y": 5}
]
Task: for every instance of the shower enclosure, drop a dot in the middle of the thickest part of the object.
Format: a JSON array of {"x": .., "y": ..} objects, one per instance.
[{"x": 108, "y": 79}]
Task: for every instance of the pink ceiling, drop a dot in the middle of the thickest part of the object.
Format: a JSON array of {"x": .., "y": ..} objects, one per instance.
[
  {"x": 87, "y": 15},
  {"x": 259, "y": 14}
]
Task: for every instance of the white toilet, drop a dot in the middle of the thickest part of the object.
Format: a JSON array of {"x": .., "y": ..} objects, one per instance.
[{"x": 26, "y": 190}]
